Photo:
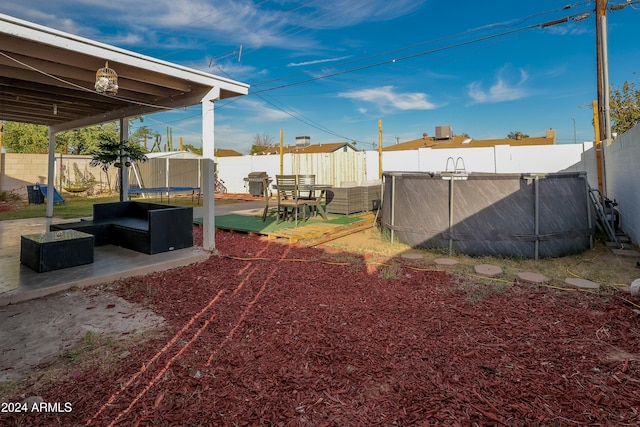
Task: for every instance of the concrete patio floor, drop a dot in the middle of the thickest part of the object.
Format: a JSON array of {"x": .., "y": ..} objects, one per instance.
[{"x": 20, "y": 283}]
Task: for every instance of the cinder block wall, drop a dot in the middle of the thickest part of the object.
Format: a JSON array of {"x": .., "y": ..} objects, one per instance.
[
  {"x": 17, "y": 170},
  {"x": 20, "y": 170}
]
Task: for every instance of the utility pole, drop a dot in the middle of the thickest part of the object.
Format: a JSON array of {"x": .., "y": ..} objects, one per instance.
[
  {"x": 601, "y": 12},
  {"x": 604, "y": 119}
]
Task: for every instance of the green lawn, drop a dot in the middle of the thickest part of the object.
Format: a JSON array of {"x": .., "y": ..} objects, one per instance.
[
  {"x": 255, "y": 223},
  {"x": 73, "y": 207},
  {"x": 81, "y": 206}
]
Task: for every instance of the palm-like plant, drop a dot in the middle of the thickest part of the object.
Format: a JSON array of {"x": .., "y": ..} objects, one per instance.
[{"x": 114, "y": 152}]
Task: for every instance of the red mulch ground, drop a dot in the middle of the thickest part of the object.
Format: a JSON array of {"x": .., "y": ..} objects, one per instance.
[
  {"x": 7, "y": 206},
  {"x": 292, "y": 340}
]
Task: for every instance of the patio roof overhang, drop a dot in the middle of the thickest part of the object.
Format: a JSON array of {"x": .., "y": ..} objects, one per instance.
[{"x": 47, "y": 77}]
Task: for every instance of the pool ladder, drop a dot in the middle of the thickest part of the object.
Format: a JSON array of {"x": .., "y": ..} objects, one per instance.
[{"x": 457, "y": 172}]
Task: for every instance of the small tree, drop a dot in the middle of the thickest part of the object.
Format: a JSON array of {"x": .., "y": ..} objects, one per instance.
[
  {"x": 625, "y": 107},
  {"x": 85, "y": 140},
  {"x": 261, "y": 143},
  {"x": 113, "y": 152},
  {"x": 27, "y": 138},
  {"x": 517, "y": 135}
]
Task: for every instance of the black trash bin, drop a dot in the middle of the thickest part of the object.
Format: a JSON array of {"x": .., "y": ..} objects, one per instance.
[
  {"x": 256, "y": 182},
  {"x": 34, "y": 195}
]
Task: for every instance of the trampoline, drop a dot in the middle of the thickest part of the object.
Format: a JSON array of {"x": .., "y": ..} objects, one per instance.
[{"x": 195, "y": 191}]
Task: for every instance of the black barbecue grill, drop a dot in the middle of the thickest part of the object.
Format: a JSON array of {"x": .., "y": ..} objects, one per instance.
[{"x": 257, "y": 182}]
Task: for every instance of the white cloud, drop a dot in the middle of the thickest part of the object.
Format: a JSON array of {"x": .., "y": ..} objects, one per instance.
[
  {"x": 338, "y": 13},
  {"x": 571, "y": 29},
  {"x": 128, "y": 39},
  {"x": 504, "y": 89},
  {"x": 233, "y": 137},
  {"x": 386, "y": 98},
  {"x": 317, "y": 61},
  {"x": 259, "y": 111},
  {"x": 232, "y": 69},
  {"x": 192, "y": 24}
]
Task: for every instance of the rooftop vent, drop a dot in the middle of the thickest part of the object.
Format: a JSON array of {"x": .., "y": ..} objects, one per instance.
[
  {"x": 303, "y": 141},
  {"x": 444, "y": 132}
]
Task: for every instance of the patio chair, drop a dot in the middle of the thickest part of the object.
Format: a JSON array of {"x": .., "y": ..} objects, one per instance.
[
  {"x": 289, "y": 198},
  {"x": 266, "y": 181},
  {"x": 308, "y": 193}
]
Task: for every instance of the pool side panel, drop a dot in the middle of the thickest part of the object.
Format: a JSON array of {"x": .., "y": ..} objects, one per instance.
[{"x": 491, "y": 214}]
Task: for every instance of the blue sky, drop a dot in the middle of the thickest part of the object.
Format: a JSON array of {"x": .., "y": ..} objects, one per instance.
[{"x": 331, "y": 69}]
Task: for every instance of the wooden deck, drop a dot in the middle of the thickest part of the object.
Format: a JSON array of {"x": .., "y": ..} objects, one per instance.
[
  {"x": 315, "y": 234},
  {"x": 312, "y": 234}
]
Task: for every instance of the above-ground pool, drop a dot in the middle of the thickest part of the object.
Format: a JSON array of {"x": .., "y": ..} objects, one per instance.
[{"x": 515, "y": 215}]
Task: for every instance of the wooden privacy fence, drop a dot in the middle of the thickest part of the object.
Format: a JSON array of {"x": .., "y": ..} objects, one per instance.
[
  {"x": 166, "y": 172},
  {"x": 331, "y": 168}
]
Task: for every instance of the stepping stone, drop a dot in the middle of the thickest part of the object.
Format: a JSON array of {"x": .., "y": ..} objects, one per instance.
[
  {"x": 412, "y": 255},
  {"x": 581, "y": 283},
  {"x": 488, "y": 270},
  {"x": 445, "y": 262},
  {"x": 626, "y": 252},
  {"x": 535, "y": 278}
]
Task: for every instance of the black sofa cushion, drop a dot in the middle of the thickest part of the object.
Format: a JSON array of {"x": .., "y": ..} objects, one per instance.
[{"x": 144, "y": 227}]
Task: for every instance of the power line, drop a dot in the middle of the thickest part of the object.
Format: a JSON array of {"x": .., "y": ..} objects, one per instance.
[
  {"x": 322, "y": 128},
  {"x": 309, "y": 122},
  {"x": 422, "y": 53},
  {"x": 411, "y": 56},
  {"x": 82, "y": 88},
  {"x": 427, "y": 42},
  {"x": 300, "y": 117}
]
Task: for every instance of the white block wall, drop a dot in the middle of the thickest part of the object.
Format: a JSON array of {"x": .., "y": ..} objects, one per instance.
[
  {"x": 233, "y": 170},
  {"x": 622, "y": 164},
  {"x": 499, "y": 159},
  {"x": 468, "y": 159}
]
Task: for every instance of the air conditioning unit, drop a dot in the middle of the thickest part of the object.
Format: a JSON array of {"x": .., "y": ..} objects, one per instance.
[
  {"x": 444, "y": 132},
  {"x": 303, "y": 141}
]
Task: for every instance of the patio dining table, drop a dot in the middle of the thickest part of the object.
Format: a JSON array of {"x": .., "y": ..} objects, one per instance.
[
  {"x": 322, "y": 196},
  {"x": 310, "y": 188}
]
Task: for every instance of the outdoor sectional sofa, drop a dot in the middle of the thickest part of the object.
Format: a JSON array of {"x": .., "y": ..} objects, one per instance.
[
  {"x": 149, "y": 228},
  {"x": 350, "y": 198}
]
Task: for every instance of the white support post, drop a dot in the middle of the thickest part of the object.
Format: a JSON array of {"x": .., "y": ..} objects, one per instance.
[
  {"x": 51, "y": 172},
  {"x": 208, "y": 150},
  {"x": 167, "y": 173},
  {"x": 124, "y": 171},
  {"x": 208, "y": 217}
]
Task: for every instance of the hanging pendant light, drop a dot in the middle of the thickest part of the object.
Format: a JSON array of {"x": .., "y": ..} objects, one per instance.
[{"x": 106, "y": 80}]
